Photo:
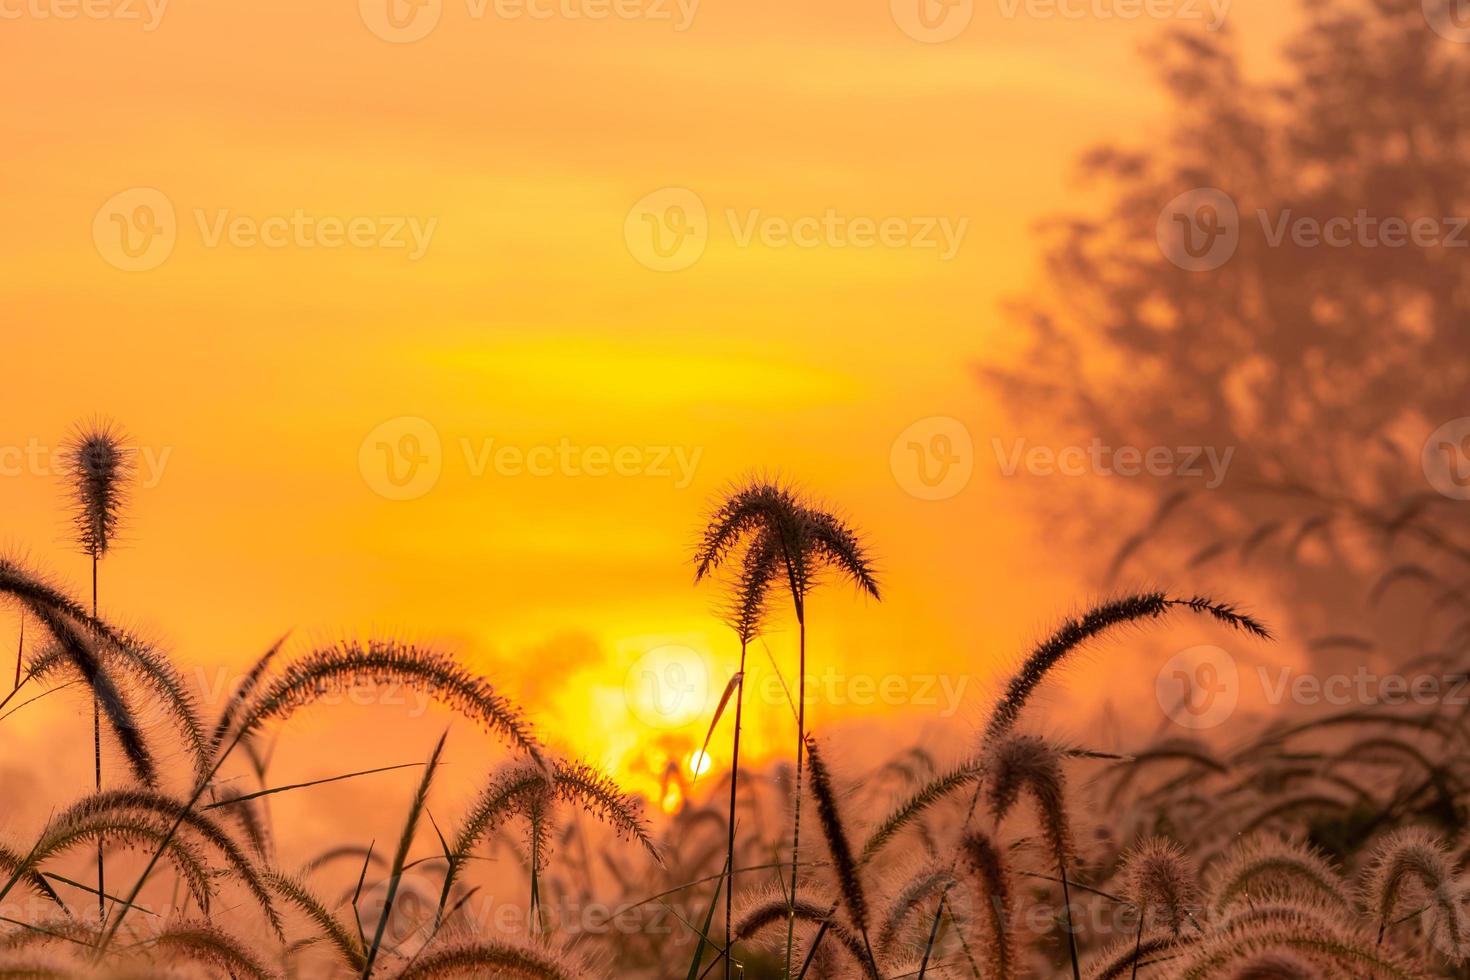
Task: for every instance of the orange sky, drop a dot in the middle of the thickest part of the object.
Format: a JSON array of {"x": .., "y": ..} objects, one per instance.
[{"x": 531, "y": 318}]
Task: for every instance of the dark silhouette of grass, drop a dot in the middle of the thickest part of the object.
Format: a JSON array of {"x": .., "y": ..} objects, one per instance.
[
  {"x": 98, "y": 466},
  {"x": 763, "y": 514},
  {"x": 1380, "y": 785}
]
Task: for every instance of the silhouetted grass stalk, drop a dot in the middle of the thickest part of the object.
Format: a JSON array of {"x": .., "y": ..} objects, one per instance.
[
  {"x": 807, "y": 540},
  {"x": 1074, "y": 633},
  {"x": 98, "y": 466},
  {"x": 335, "y": 668},
  {"x": 734, "y": 793},
  {"x": 400, "y": 857}
]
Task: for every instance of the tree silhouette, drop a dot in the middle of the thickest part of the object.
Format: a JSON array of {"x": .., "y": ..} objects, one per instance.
[{"x": 1325, "y": 360}]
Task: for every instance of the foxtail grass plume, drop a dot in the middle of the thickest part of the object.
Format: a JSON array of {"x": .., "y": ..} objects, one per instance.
[
  {"x": 503, "y": 797},
  {"x": 747, "y": 606},
  {"x": 1277, "y": 965},
  {"x": 294, "y": 891},
  {"x": 1020, "y": 763},
  {"x": 993, "y": 897},
  {"x": 335, "y": 669},
  {"x": 55, "y": 930},
  {"x": 242, "y": 809},
  {"x": 1264, "y": 865},
  {"x": 148, "y": 671},
  {"x": 1159, "y": 879},
  {"x": 1281, "y": 908},
  {"x": 525, "y": 790},
  {"x": 1447, "y": 920},
  {"x": 87, "y": 825},
  {"x": 1074, "y": 633},
  {"x": 1122, "y": 959},
  {"x": 1410, "y": 870},
  {"x": 493, "y": 958},
  {"x": 1025, "y": 763},
  {"x": 811, "y": 540},
  {"x": 773, "y": 907},
  {"x": 242, "y": 694},
  {"x": 849, "y": 881},
  {"x": 1342, "y": 949},
  {"x": 909, "y": 890},
  {"x": 99, "y": 466},
  {"x": 208, "y": 945},
  {"x": 75, "y": 634},
  {"x": 919, "y": 802},
  {"x": 166, "y": 809},
  {"x": 19, "y": 864}
]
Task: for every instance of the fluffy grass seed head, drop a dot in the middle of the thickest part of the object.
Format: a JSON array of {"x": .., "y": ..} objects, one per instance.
[
  {"x": 1161, "y": 882},
  {"x": 1025, "y": 763},
  {"x": 98, "y": 466}
]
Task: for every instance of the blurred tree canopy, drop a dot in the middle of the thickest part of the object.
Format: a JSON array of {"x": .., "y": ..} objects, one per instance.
[{"x": 1325, "y": 365}]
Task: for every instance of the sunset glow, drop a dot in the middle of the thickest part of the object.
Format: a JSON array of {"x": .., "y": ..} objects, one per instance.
[
  {"x": 442, "y": 335},
  {"x": 254, "y": 374}
]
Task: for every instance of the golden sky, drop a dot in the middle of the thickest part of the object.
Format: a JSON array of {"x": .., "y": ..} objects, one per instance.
[{"x": 264, "y": 338}]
